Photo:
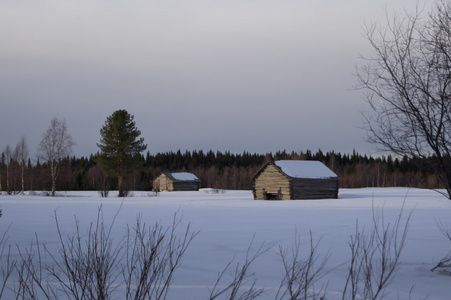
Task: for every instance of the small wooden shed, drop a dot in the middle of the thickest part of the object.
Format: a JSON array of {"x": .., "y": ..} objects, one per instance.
[
  {"x": 295, "y": 179},
  {"x": 180, "y": 181}
]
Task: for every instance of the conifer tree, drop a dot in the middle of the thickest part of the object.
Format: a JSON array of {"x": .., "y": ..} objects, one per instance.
[{"x": 120, "y": 145}]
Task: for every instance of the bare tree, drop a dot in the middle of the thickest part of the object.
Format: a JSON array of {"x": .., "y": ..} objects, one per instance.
[
  {"x": 407, "y": 80},
  {"x": 22, "y": 156},
  {"x": 55, "y": 145},
  {"x": 8, "y": 157},
  {"x": 301, "y": 274}
]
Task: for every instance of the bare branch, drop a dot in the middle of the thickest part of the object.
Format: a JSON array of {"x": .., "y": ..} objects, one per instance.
[
  {"x": 236, "y": 288},
  {"x": 301, "y": 275},
  {"x": 407, "y": 80}
]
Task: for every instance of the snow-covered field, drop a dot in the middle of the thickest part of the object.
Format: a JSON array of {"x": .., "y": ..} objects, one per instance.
[{"x": 227, "y": 222}]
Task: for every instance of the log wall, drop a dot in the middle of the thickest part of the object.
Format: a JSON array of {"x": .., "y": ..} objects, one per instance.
[
  {"x": 314, "y": 188},
  {"x": 271, "y": 181},
  {"x": 162, "y": 183},
  {"x": 186, "y": 186}
]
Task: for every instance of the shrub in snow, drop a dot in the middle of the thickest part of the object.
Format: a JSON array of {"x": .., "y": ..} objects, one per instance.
[
  {"x": 444, "y": 265},
  {"x": 90, "y": 265}
]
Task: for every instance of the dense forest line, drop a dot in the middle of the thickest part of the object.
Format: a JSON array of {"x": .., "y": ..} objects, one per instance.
[{"x": 220, "y": 170}]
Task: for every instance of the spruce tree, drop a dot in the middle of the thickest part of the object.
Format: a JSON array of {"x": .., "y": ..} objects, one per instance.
[{"x": 120, "y": 145}]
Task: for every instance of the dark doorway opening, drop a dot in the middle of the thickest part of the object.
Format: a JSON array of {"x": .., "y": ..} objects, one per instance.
[{"x": 272, "y": 196}]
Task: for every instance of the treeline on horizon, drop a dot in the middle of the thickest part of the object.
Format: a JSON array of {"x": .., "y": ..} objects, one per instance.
[{"x": 218, "y": 170}]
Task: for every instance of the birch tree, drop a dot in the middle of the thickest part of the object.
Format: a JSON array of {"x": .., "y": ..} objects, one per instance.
[
  {"x": 8, "y": 157},
  {"x": 56, "y": 144},
  {"x": 22, "y": 156}
]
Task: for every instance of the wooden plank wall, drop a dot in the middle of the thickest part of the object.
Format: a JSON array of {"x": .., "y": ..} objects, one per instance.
[
  {"x": 186, "y": 186},
  {"x": 271, "y": 180},
  {"x": 163, "y": 183},
  {"x": 314, "y": 188}
]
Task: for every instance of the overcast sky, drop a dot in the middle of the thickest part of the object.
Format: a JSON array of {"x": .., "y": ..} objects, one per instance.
[{"x": 228, "y": 75}]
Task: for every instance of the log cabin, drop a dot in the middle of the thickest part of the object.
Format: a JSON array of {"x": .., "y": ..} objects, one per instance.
[
  {"x": 295, "y": 179},
  {"x": 179, "y": 181}
]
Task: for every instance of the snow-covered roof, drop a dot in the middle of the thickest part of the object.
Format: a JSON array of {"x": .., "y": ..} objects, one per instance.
[
  {"x": 305, "y": 169},
  {"x": 184, "y": 176}
]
